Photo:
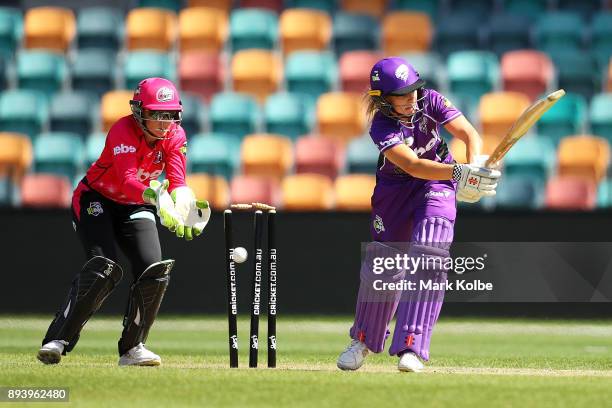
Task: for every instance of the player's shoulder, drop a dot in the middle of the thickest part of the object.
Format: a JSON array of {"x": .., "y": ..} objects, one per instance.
[
  {"x": 124, "y": 130},
  {"x": 382, "y": 125},
  {"x": 178, "y": 139}
]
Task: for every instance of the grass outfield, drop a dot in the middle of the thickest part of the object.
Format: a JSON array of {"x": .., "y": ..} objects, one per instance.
[{"x": 527, "y": 363}]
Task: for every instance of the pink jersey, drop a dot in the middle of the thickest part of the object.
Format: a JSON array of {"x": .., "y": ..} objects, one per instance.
[{"x": 127, "y": 163}]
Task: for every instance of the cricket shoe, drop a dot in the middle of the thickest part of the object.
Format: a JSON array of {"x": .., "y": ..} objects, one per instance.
[
  {"x": 409, "y": 362},
  {"x": 139, "y": 356},
  {"x": 353, "y": 357},
  {"x": 51, "y": 353}
]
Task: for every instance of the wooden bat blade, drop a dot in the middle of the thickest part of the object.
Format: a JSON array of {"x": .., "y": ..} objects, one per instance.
[{"x": 527, "y": 119}]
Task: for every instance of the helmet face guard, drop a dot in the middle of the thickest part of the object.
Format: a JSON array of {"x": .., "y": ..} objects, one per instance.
[{"x": 171, "y": 117}]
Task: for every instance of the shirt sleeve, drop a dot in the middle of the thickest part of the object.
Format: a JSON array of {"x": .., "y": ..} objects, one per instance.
[
  {"x": 442, "y": 110},
  {"x": 176, "y": 161},
  {"x": 385, "y": 136},
  {"x": 125, "y": 161}
]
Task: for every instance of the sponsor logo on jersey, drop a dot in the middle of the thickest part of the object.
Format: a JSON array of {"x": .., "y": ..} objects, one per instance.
[
  {"x": 430, "y": 144},
  {"x": 378, "y": 224},
  {"x": 183, "y": 149},
  {"x": 432, "y": 193},
  {"x": 159, "y": 157},
  {"x": 164, "y": 94},
  {"x": 389, "y": 142},
  {"x": 401, "y": 72},
  {"x": 145, "y": 175},
  {"x": 123, "y": 149},
  {"x": 95, "y": 208}
]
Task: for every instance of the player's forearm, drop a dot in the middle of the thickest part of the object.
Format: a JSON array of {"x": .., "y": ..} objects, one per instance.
[
  {"x": 463, "y": 130},
  {"x": 428, "y": 169}
]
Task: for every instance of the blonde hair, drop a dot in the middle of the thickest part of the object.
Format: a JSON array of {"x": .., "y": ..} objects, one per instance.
[{"x": 371, "y": 105}]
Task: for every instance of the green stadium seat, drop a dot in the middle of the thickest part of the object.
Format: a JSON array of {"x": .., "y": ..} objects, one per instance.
[
  {"x": 214, "y": 153},
  {"x": 193, "y": 113},
  {"x": 577, "y": 72},
  {"x": 58, "y": 153},
  {"x": 532, "y": 158},
  {"x": 559, "y": 31},
  {"x": 429, "y": 65},
  {"x": 354, "y": 32},
  {"x": 429, "y": 7},
  {"x": 11, "y": 30},
  {"x": 94, "y": 71},
  {"x": 480, "y": 8},
  {"x": 471, "y": 74},
  {"x": 233, "y": 113},
  {"x": 253, "y": 28},
  {"x": 172, "y": 5},
  {"x": 508, "y": 32},
  {"x": 457, "y": 32},
  {"x": 100, "y": 27},
  {"x": 3, "y": 73},
  {"x": 530, "y": 8},
  {"x": 145, "y": 64},
  {"x": 518, "y": 192},
  {"x": 361, "y": 156},
  {"x": 604, "y": 194},
  {"x": 23, "y": 111},
  {"x": 9, "y": 192},
  {"x": 601, "y": 37},
  {"x": 72, "y": 112},
  {"x": 94, "y": 144},
  {"x": 586, "y": 8},
  {"x": 568, "y": 117},
  {"x": 41, "y": 71},
  {"x": 328, "y": 6},
  {"x": 601, "y": 115},
  {"x": 288, "y": 115},
  {"x": 311, "y": 72}
]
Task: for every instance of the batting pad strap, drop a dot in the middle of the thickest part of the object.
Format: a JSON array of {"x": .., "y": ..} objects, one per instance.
[{"x": 140, "y": 215}]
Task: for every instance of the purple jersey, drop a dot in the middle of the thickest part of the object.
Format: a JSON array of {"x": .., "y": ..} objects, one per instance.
[{"x": 424, "y": 137}]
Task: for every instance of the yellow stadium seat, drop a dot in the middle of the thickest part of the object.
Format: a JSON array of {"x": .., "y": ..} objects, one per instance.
[
  {"x": 51, "y": 28},
  {"x": 15, "y": 155},
  {"x": 150, "y": 28},
  {"x": 203, "y": 29},
  {"x": 341, "y": 116},
  {"x": 223, "y": 5},
  {"x": 307, "y": 192},
  {"x": 212, "y": 188},
  {"x": 404, "y": 31},
  {"x": 457, "y": 147},
  {"x": 354, "y": 192},
  {"x": 375, "y": 8},
  {"x": 499, "y": 110},
  {"x": 584, "y": 156},
  {"x": 266, "y": 154},
  {"x": 113, "y": 106},
  {"x": 302, "y": 29},
  {"x": 256, "y": 72}
]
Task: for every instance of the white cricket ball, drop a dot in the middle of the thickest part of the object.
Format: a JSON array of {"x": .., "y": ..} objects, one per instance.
[{"x": 240, "y": 255}]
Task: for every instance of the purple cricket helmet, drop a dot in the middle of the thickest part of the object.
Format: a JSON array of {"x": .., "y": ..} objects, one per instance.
[{"x": 394, "y": 76}]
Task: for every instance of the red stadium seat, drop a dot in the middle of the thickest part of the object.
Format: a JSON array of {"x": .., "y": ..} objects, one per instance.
[
  {"x": 318, "y": 155},
  {"x": 526, "y": 71},
  {"x": 255, "y": 189},
  {"x": 355, "y": 69},
  {"x": 571, "y": 193},
  {"x": 201, "y": 72},
  {"x": 274, "y": 5},
  {"x": 45, "y": 190}
]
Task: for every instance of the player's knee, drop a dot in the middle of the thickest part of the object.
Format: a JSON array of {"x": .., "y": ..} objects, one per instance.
[
  {"x": 433, "y": 231},
  {"x": 104, "y": 268},
  {"x": 158, "y": 270},
  {"x": 379, "y": 263}
]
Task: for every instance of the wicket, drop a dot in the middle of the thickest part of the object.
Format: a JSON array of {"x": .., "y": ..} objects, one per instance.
[{"x": 232, "y": 292}]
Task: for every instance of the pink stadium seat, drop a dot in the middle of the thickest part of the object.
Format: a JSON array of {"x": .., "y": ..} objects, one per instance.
[
  {"x": 354, "y": 67},
  {"x": 201, "y": 72},
  {"x": 526, "y": 71},
  {"x": 45, "y": 190},
  {"x": 318, "y": 155},
  {"x": 274, "y": 5},
  {"x": 255, "y": 189},
  {"x": 570, "y": 193}
]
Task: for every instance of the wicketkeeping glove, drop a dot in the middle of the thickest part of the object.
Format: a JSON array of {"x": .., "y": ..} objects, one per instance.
[
  {"x": 194, "y": 213},
  {"x": 157, "y": 194}
]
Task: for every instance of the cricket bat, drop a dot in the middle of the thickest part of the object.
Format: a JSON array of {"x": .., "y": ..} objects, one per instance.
[{"x": 527, "y": 119}]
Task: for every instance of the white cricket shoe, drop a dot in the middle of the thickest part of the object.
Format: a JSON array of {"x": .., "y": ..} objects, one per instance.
[
  {"x": 409, "y": 362},
  {"x": 353, "y": 357},
  {"x": 139, "y": 356},
  {"x": 51, "y": 353}
]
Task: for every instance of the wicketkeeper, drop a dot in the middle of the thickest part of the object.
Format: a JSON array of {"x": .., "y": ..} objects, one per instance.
[
  {"x": 414, "y": 203},
  {"x": 115, "y": 204}
]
